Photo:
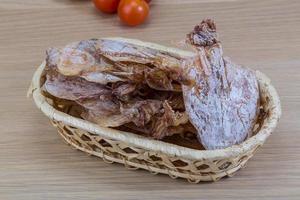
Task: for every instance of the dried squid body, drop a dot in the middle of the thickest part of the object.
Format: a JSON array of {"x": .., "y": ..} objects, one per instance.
[{"x": 223, "y": 103}]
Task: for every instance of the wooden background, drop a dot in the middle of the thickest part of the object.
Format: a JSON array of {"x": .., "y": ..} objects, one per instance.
[{"x": 36, "y": 164}]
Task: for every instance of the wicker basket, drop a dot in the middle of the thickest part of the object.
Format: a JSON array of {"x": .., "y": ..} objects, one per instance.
[{"x": 135, "y": 151}]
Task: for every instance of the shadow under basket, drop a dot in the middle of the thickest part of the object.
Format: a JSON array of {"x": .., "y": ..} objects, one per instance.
[{"x": 136, "y": 151}]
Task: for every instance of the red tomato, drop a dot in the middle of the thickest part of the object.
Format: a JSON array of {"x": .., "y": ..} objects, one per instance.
[
  {"x": 133, "y": 12},
  {"x": 107, "y": 6}
]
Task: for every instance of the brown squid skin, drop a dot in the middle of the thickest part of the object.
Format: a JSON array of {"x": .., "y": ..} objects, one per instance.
[
  {"x": 119, "y": 83},
  {"x": 109, "y": 61},
  {"x": 223, "y": 103}
]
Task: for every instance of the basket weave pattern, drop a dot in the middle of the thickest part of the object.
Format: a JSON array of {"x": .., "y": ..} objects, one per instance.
[{"x": 134, "y": 158}]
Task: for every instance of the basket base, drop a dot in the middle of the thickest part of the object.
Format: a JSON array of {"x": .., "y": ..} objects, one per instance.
[{"x": 134, "y": 158}]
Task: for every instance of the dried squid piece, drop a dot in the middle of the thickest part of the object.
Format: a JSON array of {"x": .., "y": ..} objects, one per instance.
[
  {"x": 223, "y": 103},
  {"x": 122, "y": 89},
  {"x": 162, "y": 63},
  {"x": 91, "y": 96},
  {"x": 102, "y": 105},
  {"x": 165, "y": 125},
  {"x": 114, "y": 120},
  {"x": 141, "y": 112},
  {"x": 109, "y": 61},
  {"x": 158, "y": 79},
  {"x": 71, "y": 61},
  {"x": 133, "y": 72},
  {"x": 176, "y": 101},
  {"x": 72, "y": 88},
  {"x": 122, "y": 51}
]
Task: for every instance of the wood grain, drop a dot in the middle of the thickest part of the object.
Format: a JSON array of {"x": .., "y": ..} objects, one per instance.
[{"x": 36, "y": 164}]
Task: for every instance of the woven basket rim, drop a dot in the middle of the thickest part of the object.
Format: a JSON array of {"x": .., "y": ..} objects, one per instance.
[{"x": 156, "y": 145}]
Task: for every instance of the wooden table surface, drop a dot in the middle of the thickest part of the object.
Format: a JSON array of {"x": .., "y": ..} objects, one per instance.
[{"x": 36, "y": 164}]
